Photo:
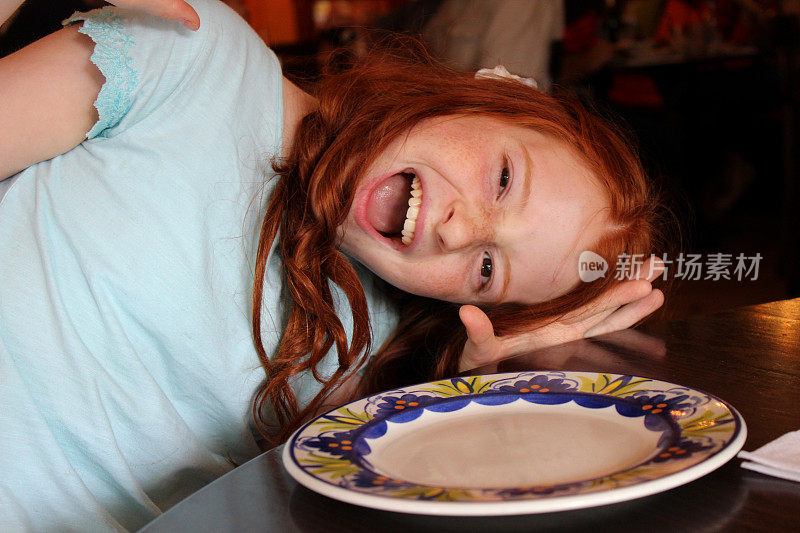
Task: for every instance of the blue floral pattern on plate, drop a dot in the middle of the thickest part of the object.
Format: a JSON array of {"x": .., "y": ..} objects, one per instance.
[{"x": 334, "y": 448}]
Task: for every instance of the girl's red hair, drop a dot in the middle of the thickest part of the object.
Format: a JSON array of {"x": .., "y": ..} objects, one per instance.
[{"x": 361, "y": 109}]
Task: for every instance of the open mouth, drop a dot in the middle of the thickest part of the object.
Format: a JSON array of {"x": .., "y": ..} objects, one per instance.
[{"x": 393, "y": 207}]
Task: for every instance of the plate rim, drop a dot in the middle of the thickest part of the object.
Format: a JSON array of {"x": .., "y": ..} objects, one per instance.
[{"x": 519, "y": 506}]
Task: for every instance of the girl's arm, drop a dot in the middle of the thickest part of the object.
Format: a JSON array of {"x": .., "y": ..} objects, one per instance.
[{"x": 48, "y": 90}]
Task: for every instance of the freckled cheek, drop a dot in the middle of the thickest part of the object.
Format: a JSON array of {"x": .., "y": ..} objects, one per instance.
[
  {"x": 489, "y": 220},
  {"x": 442, "y": 283},
  {"x": 456, "y": 148}
]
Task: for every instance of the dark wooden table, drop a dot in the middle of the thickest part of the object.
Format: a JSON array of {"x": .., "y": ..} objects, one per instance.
[{"x": 749, "y": 356}]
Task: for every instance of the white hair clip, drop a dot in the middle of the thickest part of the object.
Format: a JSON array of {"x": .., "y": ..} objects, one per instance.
[{"x": 500, "y": 72}]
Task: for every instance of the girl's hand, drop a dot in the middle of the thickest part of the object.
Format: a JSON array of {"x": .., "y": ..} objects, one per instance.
[
  {"x": 616, "y": 309},
  {"x": 176, "y": 10}
]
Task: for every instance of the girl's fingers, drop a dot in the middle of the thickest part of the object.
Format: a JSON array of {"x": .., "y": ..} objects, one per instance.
[
  {"x": 482, "y": 346},
  {"x": 622, "y": 294},
  {"x": 651, "y": 269},
  {"x": 479, "y": 327},
  {"x": 629, "y": 314},
  {"x": 177, "y": 10}
]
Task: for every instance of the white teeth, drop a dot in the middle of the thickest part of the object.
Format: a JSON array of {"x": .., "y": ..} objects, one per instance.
[{"x": 414, "y": 203}]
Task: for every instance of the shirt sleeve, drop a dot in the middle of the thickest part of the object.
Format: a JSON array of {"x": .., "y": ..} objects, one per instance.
[{"x": 150, "y": 63}]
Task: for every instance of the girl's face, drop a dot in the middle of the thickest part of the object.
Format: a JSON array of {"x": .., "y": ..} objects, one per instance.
[{"x": 504, "y": 213}]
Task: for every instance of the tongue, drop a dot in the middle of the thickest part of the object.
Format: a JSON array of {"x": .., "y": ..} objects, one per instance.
[{"x": 386, "y": 209}]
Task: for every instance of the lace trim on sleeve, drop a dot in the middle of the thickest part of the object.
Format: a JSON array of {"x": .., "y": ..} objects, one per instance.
[{"x": 112, "y": 45}]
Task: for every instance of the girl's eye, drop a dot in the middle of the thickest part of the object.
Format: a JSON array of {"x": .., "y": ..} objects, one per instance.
[
  {"x": 486, "y": 268},
  {"x": 504, "y": 177}
]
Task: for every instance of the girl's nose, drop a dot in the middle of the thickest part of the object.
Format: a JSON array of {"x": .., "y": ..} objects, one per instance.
[{"x": 458, "y": 229}]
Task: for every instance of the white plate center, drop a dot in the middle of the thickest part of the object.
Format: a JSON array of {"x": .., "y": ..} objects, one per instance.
[{"x": 514, "y": 445}]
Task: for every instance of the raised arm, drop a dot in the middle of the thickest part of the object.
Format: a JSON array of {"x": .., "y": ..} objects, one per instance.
[{"x": 48, "y": 91}]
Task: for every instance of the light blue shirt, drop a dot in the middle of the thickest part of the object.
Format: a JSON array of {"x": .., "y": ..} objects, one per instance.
[{"x": 127, "y": 366}]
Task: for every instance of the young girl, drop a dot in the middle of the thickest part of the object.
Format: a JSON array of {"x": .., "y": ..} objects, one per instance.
[{"x": 136, "y": 211}]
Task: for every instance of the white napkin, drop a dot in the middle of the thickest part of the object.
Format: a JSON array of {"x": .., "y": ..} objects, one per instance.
[{"x": 779, "y": 458}]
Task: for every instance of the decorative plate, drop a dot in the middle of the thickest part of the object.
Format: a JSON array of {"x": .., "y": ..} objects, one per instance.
[{"x": 517, "y": 443}]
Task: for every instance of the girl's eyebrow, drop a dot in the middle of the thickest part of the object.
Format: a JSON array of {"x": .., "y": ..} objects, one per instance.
[
  {"x": 506, "y": 277},
  {"x": 523, "y": 203},
  {"x": 527, "y": 178}
]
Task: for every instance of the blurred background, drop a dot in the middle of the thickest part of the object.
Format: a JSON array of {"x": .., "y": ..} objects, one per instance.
[{"x": 708, "y": 89}]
